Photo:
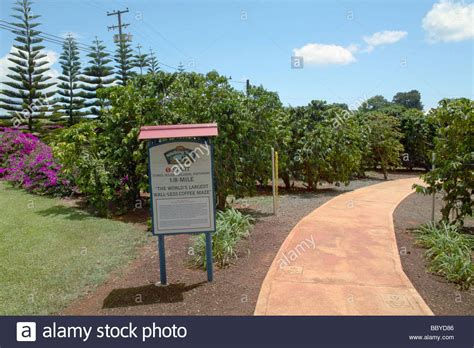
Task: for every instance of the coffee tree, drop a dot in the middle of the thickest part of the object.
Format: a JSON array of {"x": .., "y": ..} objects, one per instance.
[
  {"x": 453, "y": 175},
  {"x": 382, "y": 138},
  {"x": 323, "y": 145},
  {"x": 163, "y": 98},
  {"x": 266, "y": 110},
  {"x": 417, "y": 138},
  {"x": 105, "y": 156},
  {"x": 245, "y": 125}
]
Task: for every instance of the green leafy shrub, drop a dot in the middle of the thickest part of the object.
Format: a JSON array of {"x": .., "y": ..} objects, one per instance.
[
  {"x": 231, "y": 227},
  {"x": 383, "y": 140},
  {"x": 321, "y": 143},
  {"x": 417, "y": 139},
  {"x": 83, "y": 155},
  {"x": 449, "y": 252},
  {"x": 110, "y": 163},
  {"x": 454, "y": 150}
]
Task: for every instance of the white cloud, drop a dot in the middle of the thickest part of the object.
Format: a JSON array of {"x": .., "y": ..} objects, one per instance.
[
  {"x": 449, "y": 21},
  {"x": 386, "y": 37},
  {"x": 4, "y": 64},
  {"x": 51, "y": 58},
  {"x": 321, "y": 54},
  {"x": 353, "y": 48}
]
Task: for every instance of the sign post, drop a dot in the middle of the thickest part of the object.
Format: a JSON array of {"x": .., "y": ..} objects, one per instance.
[
  {"x": 275, "y": 180},
  {"x": 182, "y": 192}
]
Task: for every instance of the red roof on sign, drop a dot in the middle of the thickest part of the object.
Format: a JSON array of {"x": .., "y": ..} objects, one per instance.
[{"x": 178, "y": 131}]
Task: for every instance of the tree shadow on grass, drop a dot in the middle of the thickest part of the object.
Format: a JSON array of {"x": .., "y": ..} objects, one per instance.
[
  {"x": 147, "y": 295},
  {"x": 65, "y": 212}
]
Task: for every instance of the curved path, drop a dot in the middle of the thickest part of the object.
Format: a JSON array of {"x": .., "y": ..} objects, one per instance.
[{"x": 342, "y": 259}]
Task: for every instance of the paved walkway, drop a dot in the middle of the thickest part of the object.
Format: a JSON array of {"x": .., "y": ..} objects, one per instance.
[{"x": 342, "y": 259}]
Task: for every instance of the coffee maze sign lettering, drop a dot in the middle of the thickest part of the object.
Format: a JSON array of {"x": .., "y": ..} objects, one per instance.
[{"x": 182, "y": 190}]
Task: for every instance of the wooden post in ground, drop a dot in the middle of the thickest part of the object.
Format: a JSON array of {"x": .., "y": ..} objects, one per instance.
[{"x": 275, "y": 180}]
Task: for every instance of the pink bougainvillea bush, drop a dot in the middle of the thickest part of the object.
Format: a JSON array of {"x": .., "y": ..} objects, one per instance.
[{"x": 29, "y": 163}]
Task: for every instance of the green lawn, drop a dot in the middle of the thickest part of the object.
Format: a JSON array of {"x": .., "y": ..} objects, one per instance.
[{"x": 50, "y": 253}]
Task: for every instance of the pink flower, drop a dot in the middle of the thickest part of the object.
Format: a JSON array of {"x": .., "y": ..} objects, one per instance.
[{"x": 28, "y": 162}]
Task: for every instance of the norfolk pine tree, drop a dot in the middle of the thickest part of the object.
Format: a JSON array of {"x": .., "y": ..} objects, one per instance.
[
  {"x": 96, "y": 75},
  {"x": 28, "y": 96},
  {"x": 124, "y": 60},
  {"x": 70, "y": 100},
  {"x": 153, "y": 65},
  {"x": 141, "y": 60}
]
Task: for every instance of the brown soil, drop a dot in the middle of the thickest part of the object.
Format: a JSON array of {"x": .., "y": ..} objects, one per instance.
[
  {"x": 442, "y": 297},
  {"x": 234, "y": 291}
]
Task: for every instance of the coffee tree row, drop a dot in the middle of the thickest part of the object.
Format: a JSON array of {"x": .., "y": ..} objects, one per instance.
[{"x": 319, "y": 142}]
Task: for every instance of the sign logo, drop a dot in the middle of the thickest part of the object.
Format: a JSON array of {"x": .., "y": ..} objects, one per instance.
[
  {"x": 179, "y": 154},
  {"x": 26, "y": 332}
]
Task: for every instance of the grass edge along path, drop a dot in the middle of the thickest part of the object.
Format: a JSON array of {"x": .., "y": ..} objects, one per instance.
[{"x": 50, "y": 254}]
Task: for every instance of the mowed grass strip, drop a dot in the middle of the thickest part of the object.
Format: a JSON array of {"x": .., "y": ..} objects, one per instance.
[{"x": 50, "y": 254}]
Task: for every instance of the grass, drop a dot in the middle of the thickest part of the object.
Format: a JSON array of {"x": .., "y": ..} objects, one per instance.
[
  {"x": 449, "y": 252},
  {"x": 231, "y": 227},
  {"x": 51, "y": 254}
]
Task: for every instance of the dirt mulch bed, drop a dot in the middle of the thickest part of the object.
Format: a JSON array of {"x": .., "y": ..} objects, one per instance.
[
  {"x": 132, "y": 290},
  {"x": 442, "y": 297}
]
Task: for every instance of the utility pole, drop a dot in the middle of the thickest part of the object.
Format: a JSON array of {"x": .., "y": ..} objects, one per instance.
[
  {"x": 247, "y": 86},
  {"x": 122, "y": 53},
  {"x": 139, "y": 58},
  {"x": 120, "y": 25}
]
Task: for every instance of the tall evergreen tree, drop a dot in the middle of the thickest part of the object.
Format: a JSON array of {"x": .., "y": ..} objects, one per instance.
[
  {"x": 70, "y": 100},
  {"x": 28, "y": 95},
  {"x": 153, "y": 65},
  {"x": 141, "y": 60},
  {"x": 98, "y": 74},
  {"x": 180, "y": 67},
  {"x": 124, "y": 59}
]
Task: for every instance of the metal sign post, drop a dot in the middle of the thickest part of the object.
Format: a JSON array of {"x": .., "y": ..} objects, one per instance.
[
  {"x": 162, "y": 256},
  {"x": 209, "y": 260},
  {"x": 181, "y": 181}
]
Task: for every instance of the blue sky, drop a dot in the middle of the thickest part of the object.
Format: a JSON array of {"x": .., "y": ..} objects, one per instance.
[{"x": 351, "y": 49}]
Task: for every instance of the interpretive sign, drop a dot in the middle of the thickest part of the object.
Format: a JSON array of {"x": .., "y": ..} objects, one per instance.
[
  {"x": 181, "y": 172},
  {"x": 182, "y": 190}
]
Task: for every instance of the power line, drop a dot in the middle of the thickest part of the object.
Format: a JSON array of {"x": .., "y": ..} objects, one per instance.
[
  {"x": 98, "y": 6},
  {"x": 47, "y": 39},
  {"x": 60, "y": 40},
  {"x": 48, "y": 36},
  {"x": 171, "y": 43}
]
